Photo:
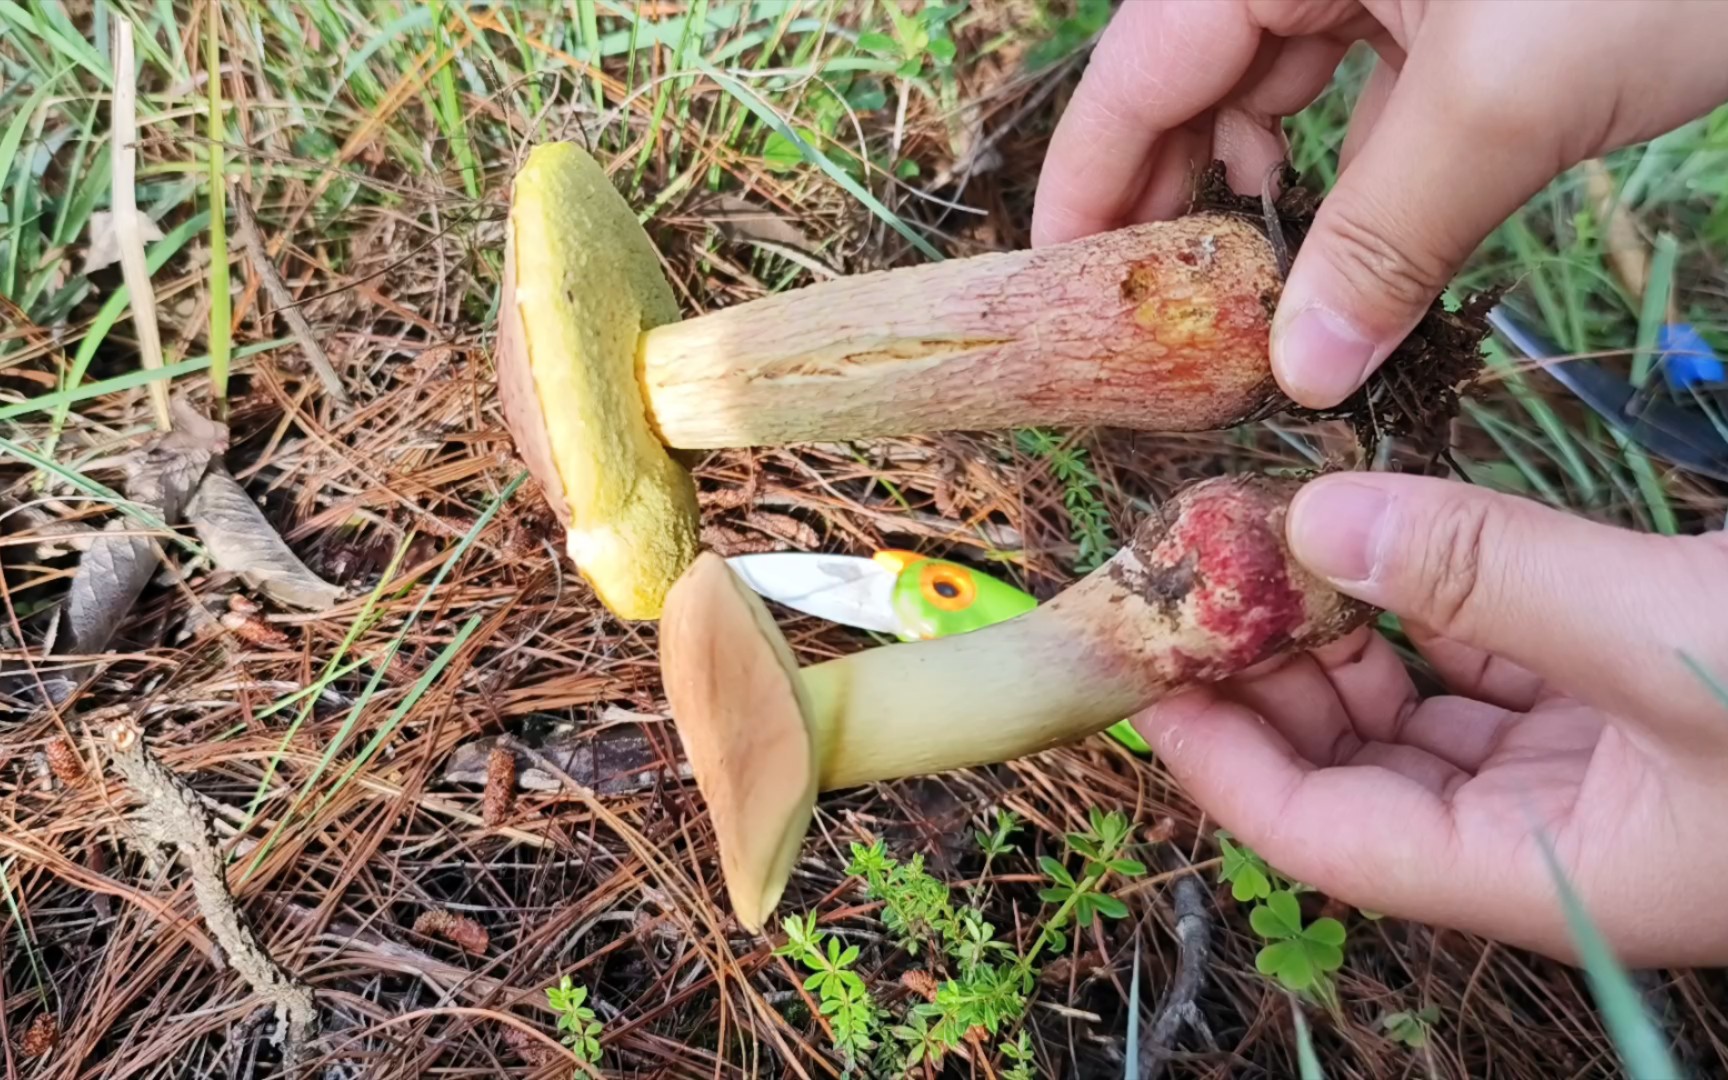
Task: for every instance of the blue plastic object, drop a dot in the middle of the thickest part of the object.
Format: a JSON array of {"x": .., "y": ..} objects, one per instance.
[{"x": 1687, "y": 359}]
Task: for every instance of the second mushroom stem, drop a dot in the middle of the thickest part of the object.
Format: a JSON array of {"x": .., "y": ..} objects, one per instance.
[{"x": 1204, "y": 589}]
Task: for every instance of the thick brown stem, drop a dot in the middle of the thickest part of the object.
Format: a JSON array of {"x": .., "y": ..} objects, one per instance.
[{"x": 1157, "y": 327}]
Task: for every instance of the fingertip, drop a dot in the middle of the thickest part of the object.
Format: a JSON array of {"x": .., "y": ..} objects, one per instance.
[
  {"x": 1321, "y": 356},
  {"x": 1338, "y": 527}
]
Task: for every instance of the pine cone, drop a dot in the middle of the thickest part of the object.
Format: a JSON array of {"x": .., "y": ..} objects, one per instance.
[
  {"x": 66, "y": 765},
  {"x": 500, "y": 798},
  {"x": 42, "y": 1036},
  {"x": 459, "y": 930}
]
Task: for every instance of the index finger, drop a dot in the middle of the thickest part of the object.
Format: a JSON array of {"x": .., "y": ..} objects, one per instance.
[{"x": 1156, "y": 67}]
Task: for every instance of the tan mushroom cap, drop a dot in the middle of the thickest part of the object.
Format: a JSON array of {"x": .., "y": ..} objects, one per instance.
[
  {"x": 581, "y": 284},
  {"x": 733, "y": 685}
]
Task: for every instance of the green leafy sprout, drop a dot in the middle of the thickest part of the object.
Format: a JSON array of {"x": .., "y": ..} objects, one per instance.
[
  {"x": 576, "y": 1022},
  {"x": 1301, "y": 957},
  {"x": 1410, "y": 1027},
  {"x": 978, "y": 982}
]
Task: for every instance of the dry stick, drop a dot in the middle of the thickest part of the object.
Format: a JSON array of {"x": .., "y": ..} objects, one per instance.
[
  {"x": 134, "y": 269},
  {"x": 1194, "y": 953},
  {"x": 171, "y": 815},
  {"x": 283, "y": 300}
]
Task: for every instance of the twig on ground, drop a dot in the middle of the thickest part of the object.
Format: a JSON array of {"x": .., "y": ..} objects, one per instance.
[
  {"x": 1194, "y": 955},
  {"x": 283, "y": 300},
  {"x": 171, "y": 816},
  {"x": 134, "y": 267}
]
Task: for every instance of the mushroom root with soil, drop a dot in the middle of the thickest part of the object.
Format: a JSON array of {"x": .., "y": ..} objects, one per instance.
[
  {"x": 1163, "y": 326},
  {"x": 1206, "y": 588}
]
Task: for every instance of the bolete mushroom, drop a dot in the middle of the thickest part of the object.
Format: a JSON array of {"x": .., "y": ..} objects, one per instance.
[
  {"x": 1162, "y": 326},
  {"x": 1205, "y": 588}
]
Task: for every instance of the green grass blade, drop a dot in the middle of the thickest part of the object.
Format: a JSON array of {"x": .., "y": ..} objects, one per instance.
[
  {"x": 221, "y": 317},
  {"x": 1716, "y": 686},
  {"x": 70, "y": 46},
  {"x": 358, "y": 709},
  {"x": 10, "y": 140},
  {"x": 138, "y": 512},
  {"x": 1654, "y": 312},
  {"x": 752, "y": 101},
  {"x": 1131, "y": 1045},
  {"x": 130, "y": 380},
  {"x": 587, "y": 20},
  {"x": 308, "y": 697},
  {"x": 1307, "y": 1062},
  {"x": 1649, "y": 485},
  {"x": 23, "y": 929},
  {"x": 400, "y": 713},
  {"x": 117, "y": 304},
  {"x": 418, "y": 17},
  {"x": 1642, "y": 1049}
]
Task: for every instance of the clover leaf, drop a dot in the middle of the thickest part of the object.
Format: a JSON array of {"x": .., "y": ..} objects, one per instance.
[
  {"x": 1298, "y": 956},
  {"x": 1249, "y": 876}
]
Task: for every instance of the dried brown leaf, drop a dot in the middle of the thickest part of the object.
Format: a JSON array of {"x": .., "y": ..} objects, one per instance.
[
  {"x": 104, "y": 234},
  {"x": 614, "y": 760},
  {"x": 459, "y": 930},
  {"x": 243, "y": 542},
  {"x": 741, "y": 220},
  {"x": 115, "y": 568}
]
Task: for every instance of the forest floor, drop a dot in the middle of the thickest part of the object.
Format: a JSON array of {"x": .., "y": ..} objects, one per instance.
[{"x": 311, "y": 741}]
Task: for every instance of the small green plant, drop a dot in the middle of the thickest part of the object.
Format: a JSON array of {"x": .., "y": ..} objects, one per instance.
[
  {"x": 975, "y": 981},
  {"x": 995, "y": 842},
  {"x": 1069, "y": 34},
  {"x": 1083, "y": 897},
  {"x": 845, "y": 1000},
  {"x": 1089, "y": 519},
  {"x": 581, "y": 1031},
  {"x": 1249, "y": 876},
  {"x": 1410, "y": 1027},
  {"x": 1020, "y": 1053},
  {"x": 1302, "y": 957},
  {"x": 918, "y": 40}
]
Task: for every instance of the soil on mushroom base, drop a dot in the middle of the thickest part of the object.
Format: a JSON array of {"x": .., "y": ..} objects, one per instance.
[{"x": 1416, "y": 394}]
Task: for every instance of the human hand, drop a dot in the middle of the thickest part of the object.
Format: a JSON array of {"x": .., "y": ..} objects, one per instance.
[
  {"x": 1580, "y": 657},
  {"x": 1472, "y": 109}
]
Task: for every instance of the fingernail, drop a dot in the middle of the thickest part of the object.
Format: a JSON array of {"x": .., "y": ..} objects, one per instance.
[
  {"x": 1338, "y": 529},
  {"x": 1320, "y": 358}
]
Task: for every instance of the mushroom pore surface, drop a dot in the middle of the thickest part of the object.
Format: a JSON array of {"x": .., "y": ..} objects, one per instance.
[{"x": 581, "y": 283}]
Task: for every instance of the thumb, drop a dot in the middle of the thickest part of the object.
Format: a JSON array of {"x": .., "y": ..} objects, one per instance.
[
  {"x": 1626, "y": 621},
  {"x": 1434, "y": 176}
]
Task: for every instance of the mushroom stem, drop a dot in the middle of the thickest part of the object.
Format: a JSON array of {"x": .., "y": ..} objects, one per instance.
[
  {"x": 1161, "y": 327},
  {"x": 1037, "y": 681},
  {"x": 1203, "y": 590}
]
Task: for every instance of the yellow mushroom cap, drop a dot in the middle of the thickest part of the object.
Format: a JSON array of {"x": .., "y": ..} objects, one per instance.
[
  {"x": 581, "y": 284},
  {"x": 733, "y": 685}
]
